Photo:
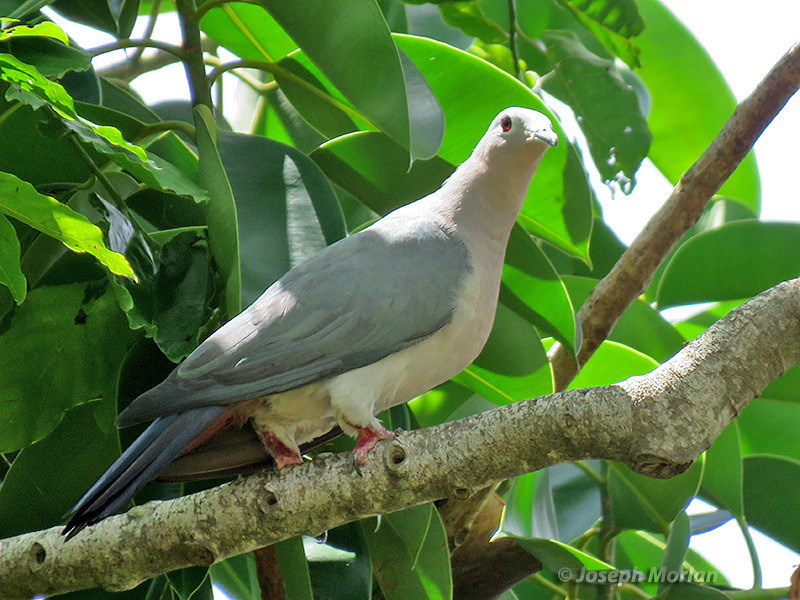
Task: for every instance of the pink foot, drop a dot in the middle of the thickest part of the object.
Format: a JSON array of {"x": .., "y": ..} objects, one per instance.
[
  {"x": 367, "y": 438},
  {"x": 282, "y": 454}
]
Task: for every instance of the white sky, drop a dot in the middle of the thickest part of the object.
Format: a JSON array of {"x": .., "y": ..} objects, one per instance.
[{"x": 745, "y": 39}]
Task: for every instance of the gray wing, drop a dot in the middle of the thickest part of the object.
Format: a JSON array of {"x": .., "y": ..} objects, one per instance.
[{"x": 359, "y": 300}]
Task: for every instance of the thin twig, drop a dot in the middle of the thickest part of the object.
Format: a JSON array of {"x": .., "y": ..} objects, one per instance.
[
  {"x": 148, "y": 32},
  {"x": 122, "y": 44}
]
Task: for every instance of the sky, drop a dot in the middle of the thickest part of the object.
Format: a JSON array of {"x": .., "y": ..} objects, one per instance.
[{"x": 745, "y": 39}]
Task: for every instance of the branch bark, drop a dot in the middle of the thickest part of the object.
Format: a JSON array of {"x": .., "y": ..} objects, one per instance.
[
  {"x": 657, "y": 424},
  {"x": 634, "y": 270}
]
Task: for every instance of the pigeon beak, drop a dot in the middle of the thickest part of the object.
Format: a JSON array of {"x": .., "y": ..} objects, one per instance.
[{"x": 548, "y": 136}]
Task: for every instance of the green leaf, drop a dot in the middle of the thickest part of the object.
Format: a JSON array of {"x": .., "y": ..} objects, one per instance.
[
  {"x": 677, "y": 546},
  {"x": 736, "y": 260},
  {"x": 612, "y": 362},
  {"x": 387, "y": 101},
  {"x": 609, "y": 31},
  {"x": 10, "y": 273},
  {"x": 237, "y": 576},
  {"x": 287, "y": 210},
  {"x": 697, "y": 324},
  {"x": 640, "y": 327},
  {"x": 20, "y": 200},
  {"x": 769, "y": 426},
  {"x": 691, "y": 101},
  {"x": 340, "y": 567},
  {"x": 470, "y": 19},
  {"x": 722, "y": 476},
  {"x": 112, "y": 16},
  {"x": 530, "y": 279},
  {"x": 248, "y": 31},
  {"x": 639, "y": 502},
  {"x": 620, "y": 16},
  {"x": 46, "y": 29},
  {"x": 558, "y": 206},
  {"x": 49, "y": 476},
  {"x": 84, "y": 338},
  {"x": 52, "y": 58},
  {"x": 221, "y": 216},
  {"x": 374, "y": 168},
  {"x": 294, "y": 569},
  {"x": 512, "y": 365},
  {"x": 771, "y": 483},
  {"x": 190, "y": 583},
  {"x": 607, "y": 108},
  {"x": 409, "y": 554},
  {"x": 558, "y": 555},
  {"x": 786, "y": 387}
]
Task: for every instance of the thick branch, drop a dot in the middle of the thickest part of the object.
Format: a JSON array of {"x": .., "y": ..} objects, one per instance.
[
  {"x": 656, "y": 423},
  {"x": 633, "y": 272}
]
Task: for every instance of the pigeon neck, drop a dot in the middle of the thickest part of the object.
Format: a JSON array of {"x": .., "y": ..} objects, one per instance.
[{"x": 490, "y": 193}]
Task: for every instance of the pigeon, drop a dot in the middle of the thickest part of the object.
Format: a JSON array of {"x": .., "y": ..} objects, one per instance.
[{"x": 370, "y": 322}]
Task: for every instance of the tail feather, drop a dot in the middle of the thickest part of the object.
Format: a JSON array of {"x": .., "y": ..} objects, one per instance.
[{"x": 161, "y": 443}]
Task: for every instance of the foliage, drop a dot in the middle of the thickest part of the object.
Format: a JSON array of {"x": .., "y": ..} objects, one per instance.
[{"x": 126, "y": 237}]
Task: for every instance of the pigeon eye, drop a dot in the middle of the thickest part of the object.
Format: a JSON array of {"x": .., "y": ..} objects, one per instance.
[{"x": 505, "y": 123}]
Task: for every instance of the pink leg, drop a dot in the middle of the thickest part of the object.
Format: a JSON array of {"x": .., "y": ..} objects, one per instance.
[
  {"x": 367, "y": 438},
  {"x": 281, "y": 452}
]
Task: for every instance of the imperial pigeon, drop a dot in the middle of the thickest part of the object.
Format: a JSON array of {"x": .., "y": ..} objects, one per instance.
[{"x": 370, "y": 322}]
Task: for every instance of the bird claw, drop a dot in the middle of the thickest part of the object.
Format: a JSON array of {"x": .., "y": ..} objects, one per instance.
[
  {"x": 357, "y": 465},
  {"x": 368, "y": 437}
]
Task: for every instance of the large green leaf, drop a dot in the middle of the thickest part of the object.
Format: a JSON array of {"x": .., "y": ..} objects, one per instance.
[
  {"x": 736, "y": 260},
  {"x": 612, "y": 362},
  {"x": 639, "y": 502},
  {"x": 607, "y": 108},
  {"x": 512, "y": 365},
  {"x": 287, "y": 210},
  {"x": 786, "y": 387},
  {"x": 248, "y": 31},
  {"x": 83, "y": 338},
  {"x": 558, "y": 206},
  {"x": 409, "y": 554},
  {"x": 611, "y": 22},
  {"x": 340, "y": 567},
  {"x": 558, "y": 555},
  {"x": 221, "y": 214},
  {"x": 530, "y": 280},
  {"x": 722, "y": 476},
  {"x": 46, "y": 29},
  {"x": 771, "y": 484},
  {"x": 691, "y": 101},
  {"x": 769, "y": 426},
  {"x": 677, "y": 546},
  {"x": 112, "y": 16},
  {"x": 49, "y": 476},
  {"x": 389, "y": 101},
  {"x": 10, "y": 273},
  {"x": 237, "y": 577},
  {"x": 20, "y": 200},
  {"x": 293, "y": 567},
  {"x": 52, "y": 58}
]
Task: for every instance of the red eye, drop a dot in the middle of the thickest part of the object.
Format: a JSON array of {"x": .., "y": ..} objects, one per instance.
[{"x": 505, "y": 123}]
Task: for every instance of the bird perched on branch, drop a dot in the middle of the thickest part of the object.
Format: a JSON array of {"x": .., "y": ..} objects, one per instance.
[{"x": 372, "y": 321}]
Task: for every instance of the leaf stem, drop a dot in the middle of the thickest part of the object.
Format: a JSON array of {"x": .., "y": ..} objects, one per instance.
[
  {"x": 275, "y": 69},
  {"x": 751, "y": 548},
  {"x": 203, "y": 9},
  {"x": 593, "y": 475},
  {"x": 192, "y": 58},
  {"x": 760, "y": 594},
  {"x": 549, "y": 585},
  {"x": 148, "y": 32},
  {"x": 96, "y": 171},
  {"x": 162, "y": 126},
  {"x": 122, "y": 44},
  {"x": 512, "y": 37}
]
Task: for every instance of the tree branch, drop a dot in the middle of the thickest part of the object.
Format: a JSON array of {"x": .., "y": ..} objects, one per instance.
[
  {"x": 634, "y": 270},
  {"x": 657, "y": 424}
]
